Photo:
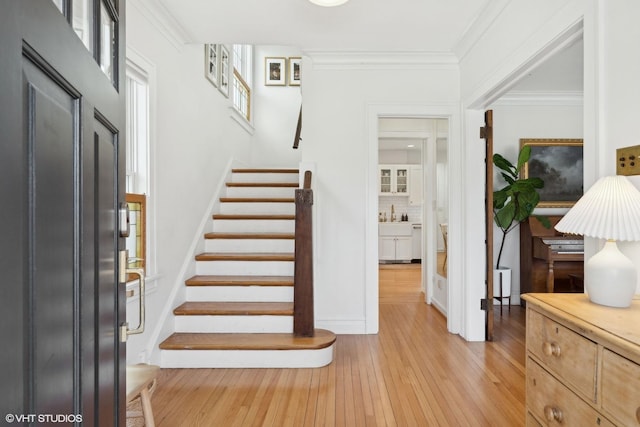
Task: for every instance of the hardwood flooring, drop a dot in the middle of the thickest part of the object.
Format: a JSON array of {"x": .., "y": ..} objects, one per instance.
[{"x": 413, "y": 373}]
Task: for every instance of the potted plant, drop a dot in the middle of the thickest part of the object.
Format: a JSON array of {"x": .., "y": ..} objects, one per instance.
[{"x": 513, "y": 204}]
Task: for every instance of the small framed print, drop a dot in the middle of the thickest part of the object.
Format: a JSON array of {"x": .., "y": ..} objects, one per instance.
[
  {"x": 211, "y": 63},
  {"x": 294, "y": 71},
  {"x": 275, "y": 71},
  {"x": 223, "y": 85}
]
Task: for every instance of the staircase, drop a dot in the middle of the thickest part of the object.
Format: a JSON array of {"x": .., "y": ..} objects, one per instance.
[{"x": 239, "y": 307}]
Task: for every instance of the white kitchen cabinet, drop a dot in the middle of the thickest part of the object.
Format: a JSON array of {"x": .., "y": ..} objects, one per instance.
[
  {"x": 393, "y": 180},
  {"x": 395, "y": 248},
  {"x": 394, "y": 241},
  {"x": 416, "y": 186}
]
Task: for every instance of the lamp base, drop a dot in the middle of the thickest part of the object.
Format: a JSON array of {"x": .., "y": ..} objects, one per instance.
[{"x": 610, "y": 277}]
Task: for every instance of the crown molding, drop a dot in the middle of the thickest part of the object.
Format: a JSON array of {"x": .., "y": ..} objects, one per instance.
[
  {"x": 479, "y": 26},
  {"x": 160, "y": 17},
  {"x": 540, "y": 98},
  {"x": 380, "y": 60}
]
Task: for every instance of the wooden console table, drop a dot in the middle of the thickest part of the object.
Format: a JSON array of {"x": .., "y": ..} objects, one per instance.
[{"x": 583, "y": 362}]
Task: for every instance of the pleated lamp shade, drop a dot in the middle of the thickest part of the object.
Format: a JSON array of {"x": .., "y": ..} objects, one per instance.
[{"x": 609, "y": 210}]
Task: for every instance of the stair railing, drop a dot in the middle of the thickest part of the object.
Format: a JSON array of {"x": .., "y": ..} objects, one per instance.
[
  {"x": 297, "y": 138},
  {"x": 303, "y": 317}
]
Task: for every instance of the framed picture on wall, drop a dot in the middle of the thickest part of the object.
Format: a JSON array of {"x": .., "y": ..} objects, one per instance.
[
  {"x": 211, "y": 63},
  {"x": 275, "y": 71},
  {"x": 294, "y": 71},
  {"x": 558, "y": 162},
  {"x": 224, "y": 70}
]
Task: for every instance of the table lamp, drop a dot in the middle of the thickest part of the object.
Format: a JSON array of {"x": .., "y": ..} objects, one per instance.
[{"x": 608, "y": 210}]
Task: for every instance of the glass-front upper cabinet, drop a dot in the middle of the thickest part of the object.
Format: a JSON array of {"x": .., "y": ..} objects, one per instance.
[
  {"x": 393, "y": 180},
  {"x": 385, "y": 180}
]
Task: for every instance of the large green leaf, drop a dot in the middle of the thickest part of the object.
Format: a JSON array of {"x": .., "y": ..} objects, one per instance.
[
  {"x": 543, "y": 220},
  {"x": 500, "y": 198},
  {"x": 505, "y": 216},
  {"x": 523, "y": 157},
  {"x": 505, "y": 165}
]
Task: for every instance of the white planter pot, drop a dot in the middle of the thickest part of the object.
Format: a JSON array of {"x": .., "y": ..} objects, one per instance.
[{"x": 502, "y": 279}]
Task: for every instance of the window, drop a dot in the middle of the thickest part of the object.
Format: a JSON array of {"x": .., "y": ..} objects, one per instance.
[
  {"x": 242, "y": 78},
  {"x": 137, "y": 130},
  {"x": 138, "y": 171}
]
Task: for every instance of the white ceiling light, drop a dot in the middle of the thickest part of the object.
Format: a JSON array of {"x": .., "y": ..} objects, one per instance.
[{"x": 328, "y": 3}]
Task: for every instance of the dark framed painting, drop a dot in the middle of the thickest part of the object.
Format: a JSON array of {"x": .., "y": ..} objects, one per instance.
[{"x": 559, "y": 163}]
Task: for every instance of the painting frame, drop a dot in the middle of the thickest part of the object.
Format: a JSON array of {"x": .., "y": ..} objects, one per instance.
[
  {"x": 559, "y": 163},
  {"x": 211, "y": 65},
  {"x": 275, "y": 71},
  {"x": 224, "y": 69},
  {"x": 294, "y": 70}
]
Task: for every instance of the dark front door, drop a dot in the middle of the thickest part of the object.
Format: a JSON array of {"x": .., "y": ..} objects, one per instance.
[{"x": 61, "y": 122}]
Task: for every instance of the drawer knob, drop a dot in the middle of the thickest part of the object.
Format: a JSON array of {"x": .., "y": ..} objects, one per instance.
[
  {"x": 551, "y": 349},
  {"x": 552, "y": 413}
]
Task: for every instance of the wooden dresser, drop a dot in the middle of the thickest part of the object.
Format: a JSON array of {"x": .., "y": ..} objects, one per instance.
[{"x": 583, "y": 362}]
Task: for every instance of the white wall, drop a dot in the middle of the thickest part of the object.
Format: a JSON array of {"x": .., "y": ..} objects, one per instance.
[
  {"x": 619, "y": 91},
  {"x": 338, "y": 94},
  {"x": 510, "y": 123},
  {"x": 610, "y": 87},
  {"x": 500, "y": 49},
  {"x": 193, "y": 140},
  {"x": 275, "y": 113}
]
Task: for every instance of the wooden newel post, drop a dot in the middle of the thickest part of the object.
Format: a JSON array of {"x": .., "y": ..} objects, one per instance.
[{"x": 303, "y": 317}]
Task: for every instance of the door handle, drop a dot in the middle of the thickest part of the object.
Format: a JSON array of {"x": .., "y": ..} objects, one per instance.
[{"x": 140, "y": 273}]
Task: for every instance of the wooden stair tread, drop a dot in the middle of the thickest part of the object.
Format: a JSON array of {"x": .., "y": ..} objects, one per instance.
[
  {"x": 264, "y": 184},
  {"x": 265, "y": 170},
  {"x": 257, "y": 199},
  {"x": 253, "y": 216},
  {"x": 263, "y": 341},
  {"x": 245, "y": 235},
  {"x": 249, "y": 256},
  {"x": 240, "y": 281},
  {"x": 210, "y": 308}
]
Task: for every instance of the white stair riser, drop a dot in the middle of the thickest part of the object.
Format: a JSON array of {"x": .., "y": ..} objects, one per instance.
[
  {"x": 254, "y": 226},
  {"x": 251, "y": 268},
  {"x": 235, "y": 324},
  {"x": 240, "y": 293},
  {"x": 265, "y": 177},
  {"x": 249, "y": 245},
  {"x": 258, "y": 208},
  {"x": 246, "y": 358},
  {"x": 261, "y": 192}
]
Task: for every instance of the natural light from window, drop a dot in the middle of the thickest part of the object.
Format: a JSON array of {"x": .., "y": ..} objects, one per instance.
[{"x": 242, "y": 79}]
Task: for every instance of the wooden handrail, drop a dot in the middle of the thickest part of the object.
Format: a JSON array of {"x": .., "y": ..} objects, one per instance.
[
  {"x": 303, "y": 315},
  {"x": 296, "y": 139},
  {"x": 307, "y": 180}
]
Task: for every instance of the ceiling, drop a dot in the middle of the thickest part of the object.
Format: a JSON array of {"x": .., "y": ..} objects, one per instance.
[{"x": 362, "y": 25}]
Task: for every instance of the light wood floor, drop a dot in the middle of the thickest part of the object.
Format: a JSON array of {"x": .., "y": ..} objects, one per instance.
[{"x": 413, "y": 373}]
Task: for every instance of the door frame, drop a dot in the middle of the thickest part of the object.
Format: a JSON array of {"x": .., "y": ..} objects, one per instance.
[{"x": 451, "y": 112}]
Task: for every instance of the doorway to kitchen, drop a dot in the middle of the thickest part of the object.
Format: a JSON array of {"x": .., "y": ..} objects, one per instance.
[{"x": 413, "y": 207}]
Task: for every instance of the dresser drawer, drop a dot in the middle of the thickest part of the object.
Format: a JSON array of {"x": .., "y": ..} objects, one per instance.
[
  {"x": 621, "y": 388},
  {"x": 531, "y": 421},
  {"x": 554, "y": 403},
  {"x": 564, "y": 352}
]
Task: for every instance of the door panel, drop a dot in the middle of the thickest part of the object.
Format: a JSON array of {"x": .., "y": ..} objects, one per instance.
[
  {"x": 60, "y": 185},
  {"x": 51, "y": 142},
  {"x": 106, "y": 206}
]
